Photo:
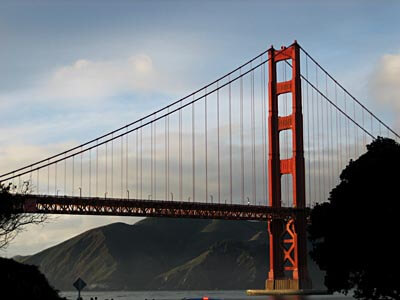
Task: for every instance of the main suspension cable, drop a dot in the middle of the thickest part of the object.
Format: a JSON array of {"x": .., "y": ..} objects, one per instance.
[{"x": 138, "y": 120}]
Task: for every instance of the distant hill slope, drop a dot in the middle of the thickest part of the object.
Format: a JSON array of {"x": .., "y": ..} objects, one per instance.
[{"x": 161, "y": 254}]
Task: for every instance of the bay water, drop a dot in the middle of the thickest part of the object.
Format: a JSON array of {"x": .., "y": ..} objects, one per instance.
[{"x": 178, "y": 295}]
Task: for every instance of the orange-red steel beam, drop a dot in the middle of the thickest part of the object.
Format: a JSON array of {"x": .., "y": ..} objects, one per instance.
[{"x": 149, "y": 208}]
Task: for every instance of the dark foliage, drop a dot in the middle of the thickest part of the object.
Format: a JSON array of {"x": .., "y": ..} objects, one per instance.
[
  {"x": 12, "y": 218},
  {"x": 19, "y": 281},
  {"x": 354, "y": 235}
]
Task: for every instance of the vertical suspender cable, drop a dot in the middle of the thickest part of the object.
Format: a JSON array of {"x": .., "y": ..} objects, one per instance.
[
  {"x": 318, "y": 138},
  {"x": 112, "y": 165},
  {"x": 346, "y": 130},
  {"x": 206, "y": 146},
  {"x": 351, "y": 139},
  {"x": 332, "y": 159},
  {"x": 251, "y": 132},
  {"x": 154, "y": 160},
  {"x": 81, "y": 173},
  {"x": 137, "y": 163},
  {"x": 363, "y": 124},
  {"x": 308, "y": 136},
  {"x": 230, "y": 141},
  {"x": 141, "y": 161},
  {"x": 314, "y": 146},
  {"x": 342, "y": 140},
  {"x": 151, "y": 161},
  {"x": 122, "y": 166},
  {"x": 97, "y": 168},
  {"x": 332, "y": 147},
  {"x": 106, "y": 179},
  {"x": 253, "y": 139},
  {"x": 355, "y": 131},
  {"x": 55, "y": 178},
  {"x": 65, "y": 174},
  {"x": 323, "y": 148},
  {"x": 73, "y": 175},
  {"x": 155, "y": 157},
  {"x": 328, "y": 135},
  {"x": 331, "y": 155},
  {"x": 338, "y": 134},
  {"x": 126, "y": 162},
  {"x": 193, "y": 154},
  {"x": 372, "y": 127},
  {"x": 168, "y": 186},
  {"x": 180, "y": 153},
  {"x": 48, "y": 178},
  {"x": 166, "y": 159},
  {"x": 286, "y": 134},
  {"x": 338, "y": 147},
  {"x": 90, "y": 172},
  {"x": 218, "y": 145},
  {"x": 241, "y": 137},
  {"x": 263, "y": 130},
  {"x": 30, "y": 177},
  {"x": 321, "y": 145},
  {"x": 264, "y": 126}
]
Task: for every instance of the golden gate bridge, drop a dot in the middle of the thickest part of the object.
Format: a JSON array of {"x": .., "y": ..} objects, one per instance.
[{"x": 266, "y": 142}]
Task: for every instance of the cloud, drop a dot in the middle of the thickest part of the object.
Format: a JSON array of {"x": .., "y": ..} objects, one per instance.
[
  {"x": 90, "y": 80},
  {"x": 385, "y": 83},
  {"x": 85, "y": 81}
]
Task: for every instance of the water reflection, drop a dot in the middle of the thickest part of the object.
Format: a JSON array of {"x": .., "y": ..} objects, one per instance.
[{"x": 291, "y": 297}]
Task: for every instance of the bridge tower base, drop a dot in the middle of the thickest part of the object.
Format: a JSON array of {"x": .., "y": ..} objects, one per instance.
[{"x": 287, "y": 292}]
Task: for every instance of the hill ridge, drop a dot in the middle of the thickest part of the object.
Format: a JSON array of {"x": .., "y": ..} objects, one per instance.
[{"x": 155, "y": 254}]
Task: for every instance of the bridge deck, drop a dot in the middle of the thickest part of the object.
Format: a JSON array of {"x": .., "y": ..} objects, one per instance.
[{"x": 151, "y": 208}]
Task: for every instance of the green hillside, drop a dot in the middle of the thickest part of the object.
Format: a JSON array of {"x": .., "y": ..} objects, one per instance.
[{"x": 161, "y": 254}]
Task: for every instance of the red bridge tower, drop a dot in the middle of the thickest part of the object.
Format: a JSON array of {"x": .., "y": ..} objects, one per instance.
[{"x": 288, "y": 248}]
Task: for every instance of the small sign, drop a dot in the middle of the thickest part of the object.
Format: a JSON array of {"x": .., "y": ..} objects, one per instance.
[{"x": 79, "y": 284}]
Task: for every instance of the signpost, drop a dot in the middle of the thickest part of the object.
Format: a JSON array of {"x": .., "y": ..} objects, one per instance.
[{"x": 79, "y": 284}]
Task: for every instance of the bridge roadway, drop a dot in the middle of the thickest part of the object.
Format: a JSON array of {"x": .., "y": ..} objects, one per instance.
[{"x": 44, "y": 204}]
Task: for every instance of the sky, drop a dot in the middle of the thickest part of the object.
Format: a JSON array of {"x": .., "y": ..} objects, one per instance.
[{"x": 72, "y": 70}]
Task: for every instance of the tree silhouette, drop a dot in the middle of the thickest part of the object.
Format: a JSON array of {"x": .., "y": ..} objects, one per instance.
[
  {"x": 355, "y": 234},
  {"x": 12, "y": 218},
  {"x": 20, "y": 281}
]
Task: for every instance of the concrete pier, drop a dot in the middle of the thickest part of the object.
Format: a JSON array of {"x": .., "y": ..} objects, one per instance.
[{"x": 286, "y": 292}]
